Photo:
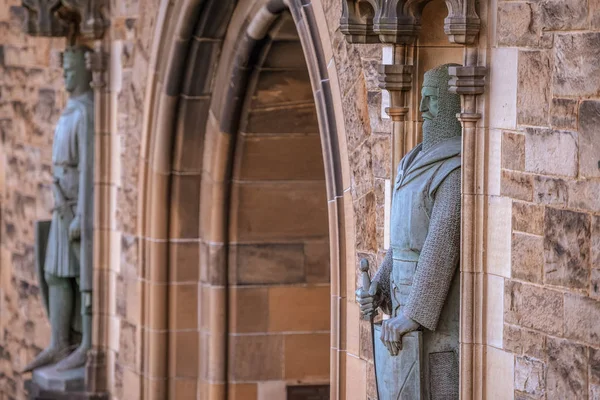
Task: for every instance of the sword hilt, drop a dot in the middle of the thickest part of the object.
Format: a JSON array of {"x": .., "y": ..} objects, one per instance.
[{"x": 366, "y": 283}]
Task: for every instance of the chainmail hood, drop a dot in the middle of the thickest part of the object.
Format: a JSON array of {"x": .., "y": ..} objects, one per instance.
[{"x": 445, "y": 125}]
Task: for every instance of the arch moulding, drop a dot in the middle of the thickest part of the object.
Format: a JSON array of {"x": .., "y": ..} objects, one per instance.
[{"x": 162, "y": 157}]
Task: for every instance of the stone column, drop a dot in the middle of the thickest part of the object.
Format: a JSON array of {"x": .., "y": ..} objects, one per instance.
[{"x": 96, "y": 368}]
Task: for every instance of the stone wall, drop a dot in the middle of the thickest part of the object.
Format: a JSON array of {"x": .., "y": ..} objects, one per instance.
[
  {"x": 31, "y": 99},
  {"x": 551, "y": 174}
]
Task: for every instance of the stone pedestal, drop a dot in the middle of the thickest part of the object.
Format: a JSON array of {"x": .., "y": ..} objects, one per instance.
[{"x": 49, "y": 384}]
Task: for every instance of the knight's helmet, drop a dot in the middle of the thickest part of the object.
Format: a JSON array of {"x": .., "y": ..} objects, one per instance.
[{"x": 445, "y": 125}]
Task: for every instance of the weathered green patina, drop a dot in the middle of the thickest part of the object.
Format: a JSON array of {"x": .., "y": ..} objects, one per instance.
[
  {"x": 64, "y": 246},
  {"x": 417, "y": 282}
]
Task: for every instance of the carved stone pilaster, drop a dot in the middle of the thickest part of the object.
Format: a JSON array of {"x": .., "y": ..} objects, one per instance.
[
  {"x": 397, "y": 80},
  {"x": 55, "y": 18},
  {"x": 462, "y": 23}
]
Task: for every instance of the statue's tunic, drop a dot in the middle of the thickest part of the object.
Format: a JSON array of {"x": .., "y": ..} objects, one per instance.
[
  {"x": 71, "y": 142},
  {"x": 419, "y": 283}
]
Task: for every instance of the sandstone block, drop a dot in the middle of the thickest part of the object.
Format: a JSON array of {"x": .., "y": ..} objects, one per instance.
[
  {"x": 316, "y": 262},
  {"x": 381, "y": 150},
  {"x": 519, "y": 25},
  {"x": 533, "y": 91},
  {"x": 551, "y": 191},
  {"x": 282, "y": 210},
  {"x": 516, "y": 185},
  {"x": 513, "y": 151},
  {"x": 249, "y": 309},
  {"x": 527, "y": 217},
  {"x": 594, "y": 392},
  {"x": 184, "y": 357},
  {"x": 366, "y": 233},
  {"x": 581, "y": 319},
  {"x": 281, "y": 157},
  {"x": 576, "y": 72},
  {"x": 567, "y": 367},
  {"x": 299, "y": 308},
  {"x": 551, "y": 152},
  {"x": 530, "y": 377},
  {"x": 524, "y": 341},
  {"x": 306, "y": 356},
  {"x": 256, "y": 358},
  {"x": 594, "y": 14},
  {"x": 300, "y": 118},
  {"x": 356, "y": 115},
  {"x": 564, "y": 14},
  {"x": 566, "y": 248},
  {"x": 533, "y": 307},
  {"x": 589, "y": 139},
  {"x": 563, "y": 113},
  {"x": 266, "y": 264},
  {"x": 594, "y": 366},
  {"x": 527, "y": 257},
  {"x": 361, "y": 165},
  {"x": 595, "y": 283},
  {"x": 584, "y": 195},
  {"x": 595, "y": 249}
]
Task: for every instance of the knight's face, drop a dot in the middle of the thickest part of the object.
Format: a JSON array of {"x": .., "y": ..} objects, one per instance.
[
  {"x": 75, "y": 74},
  {"x": 429, "y": 102},
  {"x": 70, "y": 75}
]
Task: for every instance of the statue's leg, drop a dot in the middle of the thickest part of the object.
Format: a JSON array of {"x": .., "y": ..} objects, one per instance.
[
  {"x": 79, "y": 357},
  {"x": 60, "y": 303}
]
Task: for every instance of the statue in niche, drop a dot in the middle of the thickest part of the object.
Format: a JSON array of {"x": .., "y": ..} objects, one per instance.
[
  {"x": 417, "y": 284},
  {"x": 64, "y": 244}
]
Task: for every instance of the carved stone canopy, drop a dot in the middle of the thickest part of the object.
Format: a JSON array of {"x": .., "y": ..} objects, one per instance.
[
  {"x": 399, "y": 21},
  {"x": 52, "y": 18}
]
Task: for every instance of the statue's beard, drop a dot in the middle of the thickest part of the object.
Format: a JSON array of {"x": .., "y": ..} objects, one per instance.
[{"x": 439, "y": 129}]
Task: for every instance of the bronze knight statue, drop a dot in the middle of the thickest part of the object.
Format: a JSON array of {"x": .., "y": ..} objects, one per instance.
[
  {"x": 417, "y": 284},
  {"x": 64, "y": 246}
]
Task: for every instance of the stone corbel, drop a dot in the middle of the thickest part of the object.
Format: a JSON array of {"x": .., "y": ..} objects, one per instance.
[
  {"x": 97, "y": 62},
  {"x": 42, "y": 18},
  {"x": 398, "y": 21},
  {"x": 385, "y": 21},
  {"x": 56, "y": 18},
  {"x": 468, "y": 82},
  {"x": 462, "y": 23},
  {"x": 92, "y": 22},
  {"x": 356, "y": 22}
]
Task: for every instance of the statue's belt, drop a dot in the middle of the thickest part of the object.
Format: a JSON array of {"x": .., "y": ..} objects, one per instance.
[
  {"x": 399, "y": 254},
  {"x": 63, "y": 206}
]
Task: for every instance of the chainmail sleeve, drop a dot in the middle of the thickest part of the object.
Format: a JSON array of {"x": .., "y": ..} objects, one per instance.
[
  {"x": 439, "y": 256},
  {"x": 382, "y": 277}
]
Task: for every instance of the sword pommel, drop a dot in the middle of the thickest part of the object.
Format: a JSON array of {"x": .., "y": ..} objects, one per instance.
[{"x": 366, "y": 280}]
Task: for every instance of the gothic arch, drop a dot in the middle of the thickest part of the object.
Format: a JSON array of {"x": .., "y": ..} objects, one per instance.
[{"x": 184, "y": 170}]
